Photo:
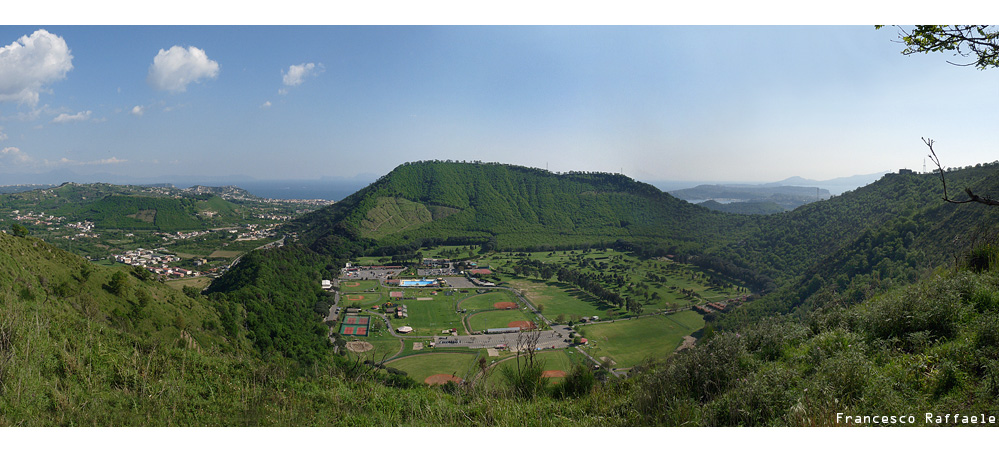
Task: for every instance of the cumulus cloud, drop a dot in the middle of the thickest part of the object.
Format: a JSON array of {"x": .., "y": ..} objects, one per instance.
[
  {"x": 64, "y": 117},
  {"x": 174, "y": 69},
  {"x": 138, "y": 110},
  {"x": 30, "y": 63},
  {"x": 14, "y": 155},
  {"x": 297, "y": 73},
  {"x": 3, "y": 136},
  {"x": 266, "y": 104}
]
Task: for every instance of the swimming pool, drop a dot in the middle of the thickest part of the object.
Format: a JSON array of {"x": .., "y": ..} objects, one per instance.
[{"x": 417, "y": 282}]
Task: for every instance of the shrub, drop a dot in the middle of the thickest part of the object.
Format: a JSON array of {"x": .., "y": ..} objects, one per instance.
[
  {"x": 577, "y": 383},
  {"x": 118, "y": 284},
  {"x": 982, "y": 258}
]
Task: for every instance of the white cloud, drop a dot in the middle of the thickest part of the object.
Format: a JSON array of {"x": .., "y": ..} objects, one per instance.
[
  {"x": 266, "y": 105},
  {"x": 174, "y": 69},
  {"x": 297, "y": 74},
  {"x": 81, "y": 116},
  {"x": 30, "y": 63},
  {"x": 138, "y": 110},
  {"x": 3, "y": 136},
  {"x": 12, "y": 154}
]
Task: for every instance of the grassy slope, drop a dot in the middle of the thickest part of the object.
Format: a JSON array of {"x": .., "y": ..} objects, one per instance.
[
  {"x": 520, "y": 206},
  {"x": 629, "y": 342},
  {"x": 67, "y": 360},
  {"x": 930, "y": 347}
]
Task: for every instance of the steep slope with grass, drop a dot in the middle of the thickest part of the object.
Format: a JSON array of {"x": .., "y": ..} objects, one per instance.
[
  {"x": 850, "y": 248},
  {"x": 515, "y": 207},
  {"x": 80, "y": 346},
  {"x": 928, "y": 347}
]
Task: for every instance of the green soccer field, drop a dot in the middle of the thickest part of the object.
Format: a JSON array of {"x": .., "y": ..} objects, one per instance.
[
  {"x": 485, "y": 302},
  {"x": 629, "y": 342},
  {"x": 559, "y": 360},
  {"x": 419, "y": 367},
  {"x": 498, "y": 319},
  {"x": 429, "y": 317}
]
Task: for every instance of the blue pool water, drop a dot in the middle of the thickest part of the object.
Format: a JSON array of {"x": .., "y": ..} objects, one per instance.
[{"x": 417, "y": 282}]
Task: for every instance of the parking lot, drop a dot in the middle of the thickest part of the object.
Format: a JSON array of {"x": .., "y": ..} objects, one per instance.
[{"x": 546, "y": 339}]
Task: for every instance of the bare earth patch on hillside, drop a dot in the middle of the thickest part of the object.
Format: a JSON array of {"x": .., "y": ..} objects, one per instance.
[
  {"x": 439, "y": 379},
  {"x": 359, "y": 346}
]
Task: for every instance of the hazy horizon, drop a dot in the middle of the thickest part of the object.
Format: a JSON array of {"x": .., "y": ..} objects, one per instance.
[{"x": 336, "y": 188}]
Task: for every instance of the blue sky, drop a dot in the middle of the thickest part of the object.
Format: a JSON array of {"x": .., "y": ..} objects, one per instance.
[{"x": 721, "y": 103}]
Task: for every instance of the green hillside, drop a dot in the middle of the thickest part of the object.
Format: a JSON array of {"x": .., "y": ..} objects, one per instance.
[
  {"x": 930, "y": 347},
  {"x": 515, "y": 207},
  {"x": 127, "y": 207},
  {"x": 82, "y": 346},
  {"x": 883, "y": 299},
  {"x": 849, "y": 248}
]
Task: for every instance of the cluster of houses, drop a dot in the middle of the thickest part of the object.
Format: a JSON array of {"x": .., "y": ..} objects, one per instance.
[
  {"x": 269, "y": 216},
  {"x": 157, "y": 262},
  {"x": 185, "y": 235},
  {"x": 83, "y": 226},
  {"x": 254, "y": 234},
  {"x": 400, "y": 311},
  {"x": 37, "y": 218}
]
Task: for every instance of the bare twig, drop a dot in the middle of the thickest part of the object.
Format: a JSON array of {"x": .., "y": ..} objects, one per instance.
[{"x": 972, "y": 197}]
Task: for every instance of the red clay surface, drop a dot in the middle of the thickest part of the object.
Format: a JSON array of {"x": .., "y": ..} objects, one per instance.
[
  {"x": 351, "y": 284},
  {"x": 523, "y": 324},
  {"x": 439, "y": 379},
  {"x": 553, "y": 373},
  {"x": 504, "y": 305}
]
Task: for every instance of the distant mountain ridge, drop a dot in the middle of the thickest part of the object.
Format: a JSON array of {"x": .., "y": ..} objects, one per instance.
[
  {"x": 787, "y": 197},
  {"x": 835, "y": 186}
]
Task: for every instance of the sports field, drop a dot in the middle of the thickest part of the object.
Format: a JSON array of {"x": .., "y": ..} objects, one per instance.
[
  {"x": 629, "y": 342},
  {"x": 429, "y": 317},
  {"x": 554, "y": 361},
  {"x": 558, "y": 298},
  {"x": 384, "y": 345},
  {"x": 419, "y": 367},
  {"x": 355, "y": 325},
  {"x": 497, "y": 319},
  {"x": 349, "y": 285},
  {"x": 486, "y": 301},
  {"x": 362, "y": 299}
]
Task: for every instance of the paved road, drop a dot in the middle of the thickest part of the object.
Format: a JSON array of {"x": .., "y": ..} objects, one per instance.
[{"x": 332, "y": 316}]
